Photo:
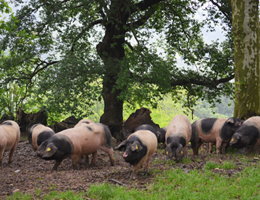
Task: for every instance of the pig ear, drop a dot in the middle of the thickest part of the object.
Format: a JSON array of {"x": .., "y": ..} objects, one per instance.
[
  {"x": 136, "y": 146},
  {"x": 50, "y": 150},
  {"x": 42, "y": 146},
  {"x": 230, "y": 121},
  {"x": 180, "y": 147},
  {"x": 121, "y": 146},
  {"x": 167, "y": 150}
]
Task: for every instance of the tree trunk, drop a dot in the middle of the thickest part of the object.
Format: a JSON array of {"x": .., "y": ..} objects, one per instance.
[
  {"x": 112, "y": 52},
  {"x": 245, "y": 22},
  {"x": 113, "y": 110}
]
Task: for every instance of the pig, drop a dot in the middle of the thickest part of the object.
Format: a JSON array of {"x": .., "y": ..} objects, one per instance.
[
  {"x": 161, "y": 135},
  {"x": 37, "y": 134},
  {"x": 177, "y": 137},
  {"x": 138, "y": 148},
  {"x": 9, "y": 139},
  {"x": 83, "y": 122},
  {"x": 147, "y": 127},
  {"x": 213, "y": 130},
  {"x": 76, "y": 142},
  {"x": 247, "y": 135}
]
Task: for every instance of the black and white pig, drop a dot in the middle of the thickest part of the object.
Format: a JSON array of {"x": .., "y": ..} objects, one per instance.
[
  {"x": 76, "y": 142},
  {"x": 213, "y": 130},
  {"x": 248, "y": 135},
  {"x": 9, "y": 139},
  {"x": 138, "y": 148},
  {"x": 37, "y": 134},
  {"x": 177, "y": 137}
]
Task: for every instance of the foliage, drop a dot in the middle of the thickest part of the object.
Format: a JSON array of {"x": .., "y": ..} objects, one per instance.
[
  {"x": 221, "y": 110},
  {"x": 75, "y": 52}
]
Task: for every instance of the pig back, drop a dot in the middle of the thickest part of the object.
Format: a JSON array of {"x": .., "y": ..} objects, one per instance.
[
  {"x": 250, "y": 128},
  {"x": 179, "y": 126},
  {"x": 83, "y": 122},
  {"x": 38, "y": 129},
  {"x": 209, "y": 129},
  {"x": 253, "y": 121},
  {"x": 85, "y": 139},
  {"x": 148, "y": 139},
  {"x": 10, "y": 134}
]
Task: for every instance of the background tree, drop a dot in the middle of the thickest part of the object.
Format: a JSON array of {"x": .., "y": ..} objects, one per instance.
[
  {"x": 245, "y": 15},
  {"x": 51, "y": 48}
]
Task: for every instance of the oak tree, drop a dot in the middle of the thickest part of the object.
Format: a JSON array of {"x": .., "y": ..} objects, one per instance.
[{"x": 76, "y": 51}]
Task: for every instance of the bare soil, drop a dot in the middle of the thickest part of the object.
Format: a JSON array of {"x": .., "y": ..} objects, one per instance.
[{"x": 28, "y": 173}]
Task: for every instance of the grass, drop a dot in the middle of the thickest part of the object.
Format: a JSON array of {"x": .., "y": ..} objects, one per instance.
[{"x": 174, "y": 184}]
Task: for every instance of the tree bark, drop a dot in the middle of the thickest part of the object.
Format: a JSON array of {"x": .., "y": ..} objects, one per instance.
[
  {"x": 245, "y": 22},
  {"x": 111, "y": 51}
]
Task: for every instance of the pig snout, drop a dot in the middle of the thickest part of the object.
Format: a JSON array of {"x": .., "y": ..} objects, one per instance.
[{"x": 125, "y": 155}]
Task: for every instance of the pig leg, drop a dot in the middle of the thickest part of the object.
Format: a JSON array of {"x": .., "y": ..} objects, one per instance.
[
  {"x": 202, "y": 148},
  {"x": 110, "y": 154},
  {"x": 11, "y": 154},
  {"x": 57, "y": 163},
  {"x": 86, "y": 159},
  {"x": 196, "y": 148},
  {"x": 218, "y": 145},
  {"x": 257, "y": 147},
  {"x": 224, "y": 148},
  {"x": 75, "y": 160},
  {"x": 146, "y": 164},
  {"x": 137, "y": 167},
  {"x": 94, "y": 158},
  {"x": 1, "y": 156},
  {"x": 209, "y": 147},
  {"x": 186, "y": 150}
]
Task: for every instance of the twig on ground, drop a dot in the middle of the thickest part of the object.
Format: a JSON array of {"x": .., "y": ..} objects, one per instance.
[{"x": 116, "y": 181}]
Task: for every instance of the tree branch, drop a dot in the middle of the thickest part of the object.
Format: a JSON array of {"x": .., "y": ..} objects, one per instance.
[
  {"x": 99, "y": 21},
  {"x": 197, "y": 81},
  {"x": 143, "y": 5},
  {"x": 143, "y": 19}
]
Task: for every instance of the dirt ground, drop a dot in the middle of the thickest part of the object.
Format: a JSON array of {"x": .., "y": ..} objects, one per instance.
[{"x": 29, "y": 174}]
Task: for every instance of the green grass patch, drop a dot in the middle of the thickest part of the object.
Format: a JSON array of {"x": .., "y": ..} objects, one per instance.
[
  {"x": 174, "y": 184},
  {"x": 225, "y": 165}
]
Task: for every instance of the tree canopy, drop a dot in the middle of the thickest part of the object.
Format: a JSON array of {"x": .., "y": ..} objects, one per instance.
[{"x": 71, "y": 53}]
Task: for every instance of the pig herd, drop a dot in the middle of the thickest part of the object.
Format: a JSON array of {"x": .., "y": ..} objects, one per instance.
[{"x": 87, "y": 137}]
